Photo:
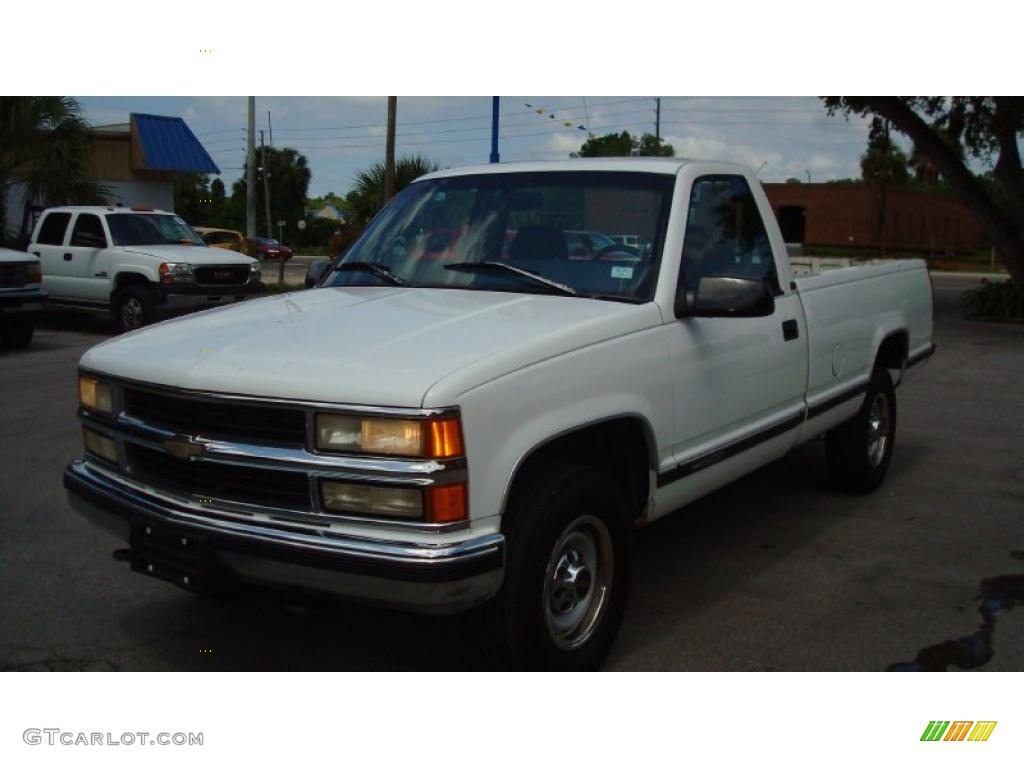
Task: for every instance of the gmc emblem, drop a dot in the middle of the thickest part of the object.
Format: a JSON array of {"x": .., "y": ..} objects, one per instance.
[{"x": 222, "y": 275}]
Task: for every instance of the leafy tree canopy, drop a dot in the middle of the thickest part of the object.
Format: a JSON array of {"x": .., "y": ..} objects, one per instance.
[
  {"x": 367, "y": 197},
  {"x": 46, "y": 145},
  {"x": 289, "y": 183},
  {"x": 624, "y": 145},
  {"x": 948, "y": 132}
]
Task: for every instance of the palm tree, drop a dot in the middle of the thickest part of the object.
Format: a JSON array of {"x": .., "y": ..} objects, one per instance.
[
  {"x": 44, "y": 145},
  {"x": 363, "y": 202}
]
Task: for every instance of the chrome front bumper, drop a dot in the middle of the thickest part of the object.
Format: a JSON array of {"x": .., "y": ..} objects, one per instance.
[{"x": 430, "y": 578}]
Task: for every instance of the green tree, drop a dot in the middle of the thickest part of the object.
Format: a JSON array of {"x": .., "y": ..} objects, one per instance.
[
  {"x": 950, "y": 131},
  {"x": 45, "y": 144},
  {"x": 367, "y": 197},
  {"x": 883, "y": 166},
  {"x": 191, "y": 198},
  {"x": 624, "y": 145},
  {"x": 289, "y": 183}
]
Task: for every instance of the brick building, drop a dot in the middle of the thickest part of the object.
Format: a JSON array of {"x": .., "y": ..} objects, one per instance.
[{"x": 848, "y": 215}]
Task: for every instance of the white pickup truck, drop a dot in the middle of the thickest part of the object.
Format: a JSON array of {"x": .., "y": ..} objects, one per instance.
[
  {"x": 137, "y": 263},
  {"x": 461, "y": 416}
]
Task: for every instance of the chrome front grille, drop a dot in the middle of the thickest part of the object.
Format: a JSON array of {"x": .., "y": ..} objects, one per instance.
[
  {"x": 13, "y": 275},
  {"x": 218, "y": 481},
  {"x": 217, "y": 418}
]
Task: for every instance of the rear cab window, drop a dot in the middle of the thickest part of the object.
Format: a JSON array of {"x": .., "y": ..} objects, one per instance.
[
  {"x": 53, "y": 227},
  {"x": 88, "y": 232}
]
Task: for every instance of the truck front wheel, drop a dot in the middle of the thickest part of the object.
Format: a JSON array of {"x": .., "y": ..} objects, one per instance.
[
  {"x": 860, "y": 450},
  {"x": 133, "y": 308},
  {"x": 568, "y": 572}
]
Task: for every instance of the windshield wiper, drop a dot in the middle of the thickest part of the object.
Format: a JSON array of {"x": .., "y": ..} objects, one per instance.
[
  {"x": 376, "y": 270},
  {"x": 497, "y": 266}
]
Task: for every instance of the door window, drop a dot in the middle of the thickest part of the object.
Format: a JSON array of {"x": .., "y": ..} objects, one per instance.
[
  {"x": 88, "y": 232},
  {"x": 725, "y": 234},
  {"x": 51, "y": 231}
]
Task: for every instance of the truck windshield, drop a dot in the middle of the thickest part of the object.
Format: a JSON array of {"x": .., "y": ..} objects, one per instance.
[
  {"x": 503, "y": 231},
  {"x": 151, "y": 229}
]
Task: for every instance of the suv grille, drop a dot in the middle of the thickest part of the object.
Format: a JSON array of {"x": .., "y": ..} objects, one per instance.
[
  {"x": 249, "y": 423},
  {"x": 13, "y": 275},
  {"x": 276, "y": 488},
  {"x": 232, "y": 275}
]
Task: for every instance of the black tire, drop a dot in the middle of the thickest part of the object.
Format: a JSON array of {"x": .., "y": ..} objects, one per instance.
[
  {"x": 561, "y": 507},
  {"x": 17, "y": 333},
  {"x": 857, "y": 460},
  {"x": 134, "y": 308}
]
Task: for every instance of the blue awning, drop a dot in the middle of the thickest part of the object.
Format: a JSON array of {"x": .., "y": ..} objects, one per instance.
[{"x": 168, "y": 144}]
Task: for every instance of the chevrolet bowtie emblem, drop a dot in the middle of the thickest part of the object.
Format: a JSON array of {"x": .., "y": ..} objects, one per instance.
[{"x": 185, "y": 447}]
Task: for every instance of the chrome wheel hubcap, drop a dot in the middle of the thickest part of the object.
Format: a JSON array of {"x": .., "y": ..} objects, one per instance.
[
  {"x": 577, "y": 584},
  {"x": 878, "y": 429},
  {"x": 131, "y": 313}
]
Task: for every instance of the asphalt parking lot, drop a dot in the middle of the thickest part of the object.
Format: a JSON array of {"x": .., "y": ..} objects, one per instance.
[{"x": 777, "y": 571}]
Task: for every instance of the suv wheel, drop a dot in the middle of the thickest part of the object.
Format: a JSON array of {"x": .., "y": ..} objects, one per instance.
[
  {"x": 567, "y": 575},
  {"x": 134, "y": 308},
  {"x": 860, "y": 450}
]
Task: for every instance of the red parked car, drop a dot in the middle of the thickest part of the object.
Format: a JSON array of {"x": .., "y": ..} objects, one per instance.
[{"x": 266, "y": 248}]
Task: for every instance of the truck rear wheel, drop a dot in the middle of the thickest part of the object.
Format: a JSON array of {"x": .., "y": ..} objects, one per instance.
[
  {"x": 17, "y": 333},
  {"x": 134, "y": 308},
  {"x": 859, "y": 451},
  {"x": 567, "y": 574}
]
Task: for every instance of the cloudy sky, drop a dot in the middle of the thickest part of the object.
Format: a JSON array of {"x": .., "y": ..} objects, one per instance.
[{"x": 784, "y": 136}]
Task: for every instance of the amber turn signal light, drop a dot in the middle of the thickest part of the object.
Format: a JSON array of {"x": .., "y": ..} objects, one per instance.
[{"x": 446, "y": 503}]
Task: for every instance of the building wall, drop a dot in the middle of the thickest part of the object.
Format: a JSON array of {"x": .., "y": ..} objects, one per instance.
[
  {"x": 848, "y": 215},
  {"x": 148, "y": 194}
]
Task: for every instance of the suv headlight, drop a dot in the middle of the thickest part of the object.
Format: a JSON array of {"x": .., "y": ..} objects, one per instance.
[
  {"x": 438, "y": 438},
  {"x": 254, "y": 270},
  {"x": 35, "y": 273},
  {"x": 176, "y": 272},
  {"x": 95, "y": 394}
]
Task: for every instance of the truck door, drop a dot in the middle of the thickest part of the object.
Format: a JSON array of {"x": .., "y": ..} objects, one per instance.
[
  {"x": 87, "y": 244},
  {"x": 48, "y": 245},
  {"x": 738, "y": 382}
]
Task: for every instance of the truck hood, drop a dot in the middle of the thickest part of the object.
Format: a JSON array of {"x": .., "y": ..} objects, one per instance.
[
  {"x": 369, "y": 346},
  {"x": 190, "y": 254}
]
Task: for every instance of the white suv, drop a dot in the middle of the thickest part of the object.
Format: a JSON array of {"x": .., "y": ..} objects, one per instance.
[{"x": 137, "y": 263}]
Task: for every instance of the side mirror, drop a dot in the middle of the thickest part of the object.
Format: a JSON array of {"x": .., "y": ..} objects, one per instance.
[
  {"x": 722, "y": 296},
  {"x": 316, "y": 271}
]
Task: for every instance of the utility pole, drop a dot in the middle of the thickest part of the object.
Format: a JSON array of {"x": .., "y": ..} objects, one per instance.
[
  {"x": 250, "y": 173},
  {"x": 270, "y": 130},
  {"x": 389, "y": 151},
  {"x": 657, "y": 119},
  {"x": 266, "y": 185},
  {"x": 494, "y": 130}
]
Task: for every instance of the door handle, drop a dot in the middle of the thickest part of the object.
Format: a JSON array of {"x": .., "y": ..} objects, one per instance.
[
  {"x": 67, "y": 257},
  {"x": 790, "y": 330},
  {"x": 35, "y": 253}
]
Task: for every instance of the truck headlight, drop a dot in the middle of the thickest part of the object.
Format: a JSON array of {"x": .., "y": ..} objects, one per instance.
[
  {"x": 431, "y": 438},
  {"x": 433, "y": 504},
  {"x": 95, "y": 394},
  {"x": 100, "y": 445},
  {"x": 254, "y": 271},
  {"x": 176, "y": 272},
  {"x": 35, "y": 273}
]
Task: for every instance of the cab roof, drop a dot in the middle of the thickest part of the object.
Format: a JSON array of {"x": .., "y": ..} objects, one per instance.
[
  {"x": 664, "y": 165},
  {"x": 106, "y": 209}
]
